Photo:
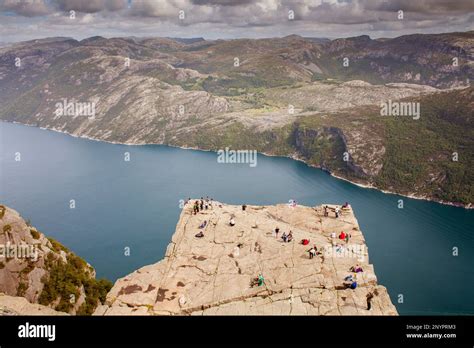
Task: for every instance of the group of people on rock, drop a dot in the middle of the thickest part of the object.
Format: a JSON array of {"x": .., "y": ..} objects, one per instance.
[
  {"x": 285, "y": 237},
  {"x": 200, "y": 205},
  {"x": 337, "y": 210},
  {"x": 313, "y": 251},
  {"x": 351, "y": 280},
  {"x": 200, "y": 234}
]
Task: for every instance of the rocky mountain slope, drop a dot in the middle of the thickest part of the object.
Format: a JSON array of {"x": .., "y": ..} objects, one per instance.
[
  {"x": 43, "y": 272},
  {"x": 212, "y": 275},
  {"x": 417, "y": 58},
  {"x": 289, "y": 96},
  {"x": 432, "y": 157}
]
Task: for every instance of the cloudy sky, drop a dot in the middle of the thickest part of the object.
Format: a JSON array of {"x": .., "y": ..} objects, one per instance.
[{"x": 211, "y": 19}]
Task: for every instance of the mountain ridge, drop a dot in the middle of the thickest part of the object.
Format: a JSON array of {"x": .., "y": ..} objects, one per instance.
[{"x": 258, "y": 93}]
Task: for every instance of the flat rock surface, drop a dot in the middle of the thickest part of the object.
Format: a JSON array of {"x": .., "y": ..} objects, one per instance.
[
  {"x": 12, "y": 305},
  {"x": 212, "y": 275}
]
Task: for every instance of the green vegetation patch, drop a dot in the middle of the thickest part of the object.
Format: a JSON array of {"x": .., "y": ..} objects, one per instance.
[
  {"x": 435, "y": 154},
  {"x": 34, "y": 233},
  {"x": 57, "y": 247},
  {"x": 65, "y": 281}
]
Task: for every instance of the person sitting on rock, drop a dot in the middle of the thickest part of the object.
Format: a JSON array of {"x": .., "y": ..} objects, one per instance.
[
  {"x": 342, "y": 235},
  {"x": 350, "y": 282},
  {"x": 345, "y": 205},
  {"x": 284, "y": 237},
  {"x": 353, "y": 285},
  {"x": 289, "y": 238},
  {"x": 232, "y": 222},
  {"x": 305, "y": 241},
  {"x": 203, "y": 224},
  {"x": 199, "y": 235},
  {"x": 258, "y": 281},
  {"x": 356, "y": 269}
]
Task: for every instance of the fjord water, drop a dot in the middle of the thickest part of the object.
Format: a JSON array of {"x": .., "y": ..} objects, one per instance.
[{"x": 135, "y": 204}]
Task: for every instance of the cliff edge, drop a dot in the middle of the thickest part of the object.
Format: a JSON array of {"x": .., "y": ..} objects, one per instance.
[
  {"x": 39, "y": 270},
  {"x": 213, "y": 274}
]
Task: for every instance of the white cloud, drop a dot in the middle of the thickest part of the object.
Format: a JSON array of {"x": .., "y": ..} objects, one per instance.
[{"x": 226, "y": 18}]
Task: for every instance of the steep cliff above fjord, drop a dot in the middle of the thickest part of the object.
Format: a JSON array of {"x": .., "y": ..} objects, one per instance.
[
  {"x": 212, "y": 275},
  {"x": 43, "y": 271}
]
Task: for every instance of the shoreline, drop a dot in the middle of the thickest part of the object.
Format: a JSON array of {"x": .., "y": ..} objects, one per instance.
[
  {"x": 292, "y": 157},
  {"x": 371, "y": 187}
]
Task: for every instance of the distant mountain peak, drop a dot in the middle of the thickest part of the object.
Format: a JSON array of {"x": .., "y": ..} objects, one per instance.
[{"x": 187, "y": 40}]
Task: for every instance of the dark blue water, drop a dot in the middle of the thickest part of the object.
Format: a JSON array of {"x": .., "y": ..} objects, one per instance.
[{"x": 136, "y": 204}]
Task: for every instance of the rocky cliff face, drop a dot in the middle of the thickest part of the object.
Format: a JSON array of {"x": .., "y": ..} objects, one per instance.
[
  {"x": 326, "y": 147},
  {"x": 43, "y": 271},
  {"x": 213, "y": 274}
]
